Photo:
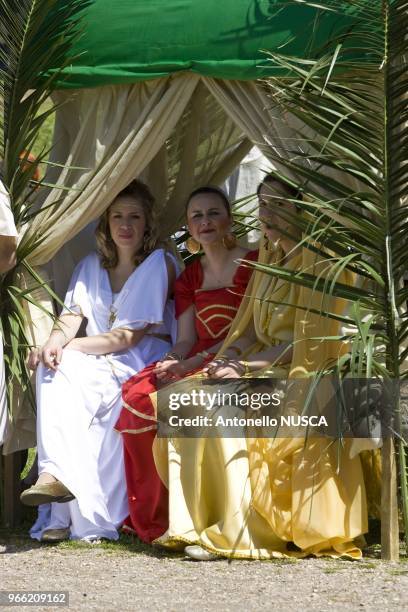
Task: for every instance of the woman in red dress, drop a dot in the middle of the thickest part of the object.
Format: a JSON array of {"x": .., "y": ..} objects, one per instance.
[{"x": 207, "y": 296}]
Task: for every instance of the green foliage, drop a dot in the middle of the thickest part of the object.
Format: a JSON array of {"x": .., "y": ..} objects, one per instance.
[
  {"x": 35, "y": 35},
  {"x": 352, "y": 170},
  {"x": 43, "y": 141}
]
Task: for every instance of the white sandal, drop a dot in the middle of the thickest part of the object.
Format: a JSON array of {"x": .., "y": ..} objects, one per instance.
[{"x": 198, "y": 553}]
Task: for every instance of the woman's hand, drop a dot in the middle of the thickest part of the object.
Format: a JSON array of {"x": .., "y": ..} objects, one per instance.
[
  {"x": 172, "y": 369},
  {"x": 224, "y": 368},
  {"x": 50, "y": 354}
]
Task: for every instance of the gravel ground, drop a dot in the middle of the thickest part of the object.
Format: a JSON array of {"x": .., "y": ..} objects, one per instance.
[{"x": 130, "y": 576}]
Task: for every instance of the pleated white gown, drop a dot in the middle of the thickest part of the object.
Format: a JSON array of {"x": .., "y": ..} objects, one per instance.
[{"x": 79, "y": 404}]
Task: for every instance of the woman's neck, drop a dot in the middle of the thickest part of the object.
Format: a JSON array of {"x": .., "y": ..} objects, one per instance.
[
  {"x": 219, "y": 266},
  {"x": 126, "y": 260},
  {"x": 216, "y": 254}
]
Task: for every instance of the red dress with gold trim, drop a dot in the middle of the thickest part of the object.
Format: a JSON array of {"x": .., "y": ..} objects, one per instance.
[{"x": 215, "y": 310}]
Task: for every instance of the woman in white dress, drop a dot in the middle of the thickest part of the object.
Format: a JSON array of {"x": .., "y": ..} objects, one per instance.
[{"x": 122, "y": 291}]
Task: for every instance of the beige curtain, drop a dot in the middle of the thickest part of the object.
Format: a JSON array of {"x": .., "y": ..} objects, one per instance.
[
  {"x": 204, "y": 145},
  {"x": 111, "y": 134},
  {"x": 205, "y": 148},
  {"x": 248, "y": 104},
  {"x": 276, "y": 134}
]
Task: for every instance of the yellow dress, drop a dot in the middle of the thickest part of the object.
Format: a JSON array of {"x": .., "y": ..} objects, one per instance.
[{"x": 264, "y": 498}]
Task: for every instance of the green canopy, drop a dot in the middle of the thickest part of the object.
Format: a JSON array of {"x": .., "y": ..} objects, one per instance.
[{"x": 130, "y": 40}]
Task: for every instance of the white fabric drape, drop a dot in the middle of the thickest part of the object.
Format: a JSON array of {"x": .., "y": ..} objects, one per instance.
[{"x": 7, "y": 226}]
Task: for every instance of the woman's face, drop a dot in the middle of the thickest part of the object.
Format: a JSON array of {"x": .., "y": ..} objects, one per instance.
[
  {"x": 207, "y": 218},
  {"x": 127, "y": 223},
  {"x": 273, "y": 198}
]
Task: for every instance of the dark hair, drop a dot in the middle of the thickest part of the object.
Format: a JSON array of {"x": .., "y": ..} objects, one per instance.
[
  {"x": 272, "y": 178},
  {"x": 106, "y": 247},
  {"x": 211, "y": 190}
]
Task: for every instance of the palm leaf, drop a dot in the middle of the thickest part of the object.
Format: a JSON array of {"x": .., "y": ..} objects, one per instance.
[
  {"x": 36, "y": 40},
  {"x": 350, "y": 100}
]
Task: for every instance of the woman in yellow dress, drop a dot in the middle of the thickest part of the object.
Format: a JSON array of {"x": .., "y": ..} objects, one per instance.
[{"x": 261, "y": 498}]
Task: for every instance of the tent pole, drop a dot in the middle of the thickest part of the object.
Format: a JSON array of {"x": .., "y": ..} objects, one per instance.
[{"x": 389, "y": 503}]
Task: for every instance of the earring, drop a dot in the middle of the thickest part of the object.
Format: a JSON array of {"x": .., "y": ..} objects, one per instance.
[
  {"x": 229, "y": 241},
  {"x": 193, "y": 246}
]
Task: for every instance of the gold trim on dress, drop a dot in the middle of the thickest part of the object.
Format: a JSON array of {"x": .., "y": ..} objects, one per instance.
[
  {"x": 226, "y": 306},
  {"x": 136, "y": 431},
  {"x": 147, "y": 417},
  {"x": 205, "y": 322}
]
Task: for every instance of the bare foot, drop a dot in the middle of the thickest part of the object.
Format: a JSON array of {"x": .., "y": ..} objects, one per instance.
[{"x": 46, "y": 478}]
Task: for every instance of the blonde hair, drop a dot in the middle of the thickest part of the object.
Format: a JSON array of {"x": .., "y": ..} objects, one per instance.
[{"x": 106, "y": 247}]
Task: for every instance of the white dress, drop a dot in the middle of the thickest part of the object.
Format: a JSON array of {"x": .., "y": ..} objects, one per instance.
[
  {"x": 78, "y": 405},
  {"x": 7, "y": 228}
]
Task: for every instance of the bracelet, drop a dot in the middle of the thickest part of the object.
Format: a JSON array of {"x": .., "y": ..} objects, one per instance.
[
  {"x": 246, "y": 367},
  {"x": 172, "y": 355}
]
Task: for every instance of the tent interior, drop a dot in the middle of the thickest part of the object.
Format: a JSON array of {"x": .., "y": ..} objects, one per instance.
[{"x": 171, "y": 92}]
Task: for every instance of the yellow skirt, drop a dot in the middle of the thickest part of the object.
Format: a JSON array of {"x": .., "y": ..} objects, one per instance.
[{"x": 263, "y": 498}]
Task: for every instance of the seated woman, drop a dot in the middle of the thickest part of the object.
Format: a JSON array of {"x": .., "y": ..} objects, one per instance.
[
  {"x": 264, "y": 498},
  {"x": 207, "y": 295},
  {"x": 122, "y": 291}
]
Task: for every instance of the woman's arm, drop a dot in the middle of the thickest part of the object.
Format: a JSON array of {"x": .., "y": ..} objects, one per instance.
[
  {"x": 121, "y": 338},
  {"x": 117, "y": 340},
  {"x": 64, "y": 330},
  {"x": 279, "y": 354},
  {"x": 186, "y": 338}
]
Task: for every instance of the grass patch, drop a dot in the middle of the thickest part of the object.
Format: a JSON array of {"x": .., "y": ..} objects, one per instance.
[
  {"x": 126, "y": 545},
  {"x": 366, "y": 565},
  {"x": 398, "y": 572}
]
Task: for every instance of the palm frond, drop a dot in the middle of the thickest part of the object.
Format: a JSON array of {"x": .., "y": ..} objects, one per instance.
[
  {"x": 349, "y": 158},
  {"x": 36, "y": 37}
]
